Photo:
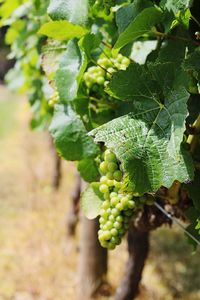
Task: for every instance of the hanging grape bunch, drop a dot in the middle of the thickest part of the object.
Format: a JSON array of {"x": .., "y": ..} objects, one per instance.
[
  {"x": 101, "y": 74},
  {"x": 54, "y": 99},
  {"x": 117, "y": 208}
]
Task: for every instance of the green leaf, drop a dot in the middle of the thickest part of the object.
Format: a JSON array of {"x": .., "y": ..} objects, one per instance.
[
  {"x": 191, "y": 63},
  {"x": 148, "y": 140},
  {"x": 90, "y": 42},
  {"x": 88, "y": 169},
  {"x": 72, "y": 66},
  {"x": 91, "y": 201},
  {"x": 70, "y": 136},
  {"x": 62, "y": 30},
  {"x": 75, "y": 11},
  {"x": 166, "y": 53},
  {"x": 141, "y": 25},
  {"x": 128, "y": 13},
  {"x": 176, "y": 5}
]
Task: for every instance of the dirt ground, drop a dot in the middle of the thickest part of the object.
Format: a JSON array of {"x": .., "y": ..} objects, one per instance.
[{"x": 37, "y": 259}]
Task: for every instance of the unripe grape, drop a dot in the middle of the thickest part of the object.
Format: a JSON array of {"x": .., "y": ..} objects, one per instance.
[
  {"x": 110, "y": 182},
  {"x": 103, "y": 179},
  {"x": 117, "y": 225},
  {"x": 100, "y": 80},
  {"x": 131, "y": 204},
  {"x": 109, "y": 175},
  {"x": 112, "y": 167},
  {"x": 106, "y": 204},
  {"x": 103, "y": 188},
  {"x": 117, "y": 175},
  {"x": 103, "y": 167},
  {"x": 113, "y": 194},
  {"x": 119, "y": 206},
  {"x": 114, "y": 232},
  {"x": 115, "y": 212},
  {"x": 114, "y": 201}
]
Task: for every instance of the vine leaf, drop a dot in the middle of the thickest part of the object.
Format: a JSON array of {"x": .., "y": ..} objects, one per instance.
[
  {"x": 192, "y": 62},
  {"x": 127, "y": 13},
  {"x": 70, "y": 136},
  {"x": 62, "y": 30},
  {"x": 141, "y": 25},
  {"x": 176, "y": 5},
  {"x": 91, "y": 201},
  {"x": 75, "y": 11},
  {"x": 72, "y": 65},
  {"x": 88, "y": 169},
  {"x": 148, "y": 140}
]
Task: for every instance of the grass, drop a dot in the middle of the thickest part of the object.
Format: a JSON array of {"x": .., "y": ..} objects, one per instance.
[{"x": 37, "y": 260}]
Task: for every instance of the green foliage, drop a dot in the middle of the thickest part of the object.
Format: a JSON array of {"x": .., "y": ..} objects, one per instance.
[
  {"x": 75, "y": 11},
  {"x": 177, "y": 6},
  {"x": 72, "y": 65},
  {"x": 146, "y": 114},
  {"x": 141, "y": 24},
  {"x": 69, "y": 135},
  {"x": 152, "y": 133},
  {"x": 88, "y": 169},
  {"x": 62, "y": 30}
]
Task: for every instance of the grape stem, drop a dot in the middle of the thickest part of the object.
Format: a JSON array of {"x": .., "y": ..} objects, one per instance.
[{"x": 174, "y": 37}]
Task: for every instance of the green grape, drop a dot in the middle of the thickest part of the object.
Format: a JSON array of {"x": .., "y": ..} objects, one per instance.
[
  {"x": 97, "y": 76},
  {"x": 103, "y": 188},
  {"x": 110, "y": 182},
  {"x": 113, "y": 194},
  {"x": 112, "y": 167},
  {"x": 117, "y": 175},
  {"x": 103, "y": 167},
  {"x": 103, "y": 179},
  {"x": 117, "y": 208},
  {"x": 54, "y": 99},
  {"x": 114, "y": 201},
  {"x": 109, "y": 175}
]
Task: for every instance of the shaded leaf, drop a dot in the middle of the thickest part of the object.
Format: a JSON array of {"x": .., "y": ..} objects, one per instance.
[
  {"x": 128, "y": 13},
  {"x": 70, "y": 136},
  {"x": 88, "y": 169},
  {"x": 141, "y": 25}
]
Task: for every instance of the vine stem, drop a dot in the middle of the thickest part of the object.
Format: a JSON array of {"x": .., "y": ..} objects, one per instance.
[
  {"x": 174, "y": 37},
  {"x": 192, "y": 17},
  {"x": 193, "y": 139}
]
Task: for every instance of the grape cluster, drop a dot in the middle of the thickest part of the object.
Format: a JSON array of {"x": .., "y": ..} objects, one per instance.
[
  {"x": 54, "y": 99},
  {"x": 117, "y": 207},
  {"x": 102, "y": 73}
]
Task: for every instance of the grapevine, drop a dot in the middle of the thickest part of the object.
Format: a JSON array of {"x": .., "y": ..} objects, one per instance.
[{"x": 144, "y": 112}]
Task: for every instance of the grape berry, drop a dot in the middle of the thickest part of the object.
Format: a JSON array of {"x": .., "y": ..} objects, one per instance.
[{"x": 117, "y": 208}]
